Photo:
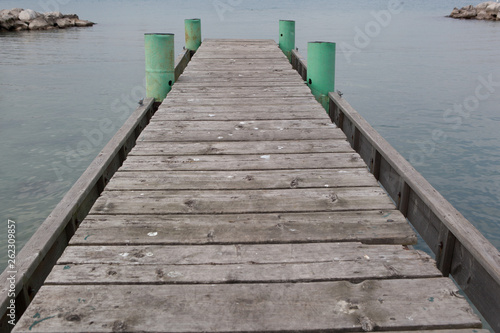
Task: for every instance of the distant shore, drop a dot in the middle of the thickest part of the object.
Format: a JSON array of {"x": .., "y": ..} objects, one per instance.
[
  {"x": 18, "y": 19},
  {"x": 484, "y": 11}
]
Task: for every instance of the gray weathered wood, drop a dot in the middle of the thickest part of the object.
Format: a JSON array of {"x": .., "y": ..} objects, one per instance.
[
  {"x": 430, "y": 212},
  {"x": 195, "y": 101},
  {"x": 236, "y": 134},
  {"x": 252, "y": 125},
  {"x": 240, "y": 110},
  {"x": 263, "y": 201},
  {"x": 242, "y": 147},
  {"x": 225, "y": 180},
  {"x": 173, "y": 114},
  {"x": 299, "y": 307},
  {"x": 369, "y": 227},
  {"x": 235, "y": 254},
  {"x": 353, "y": 271},
  {"x": 378, "y": 262},
  {"x": 243, "y": 162}
]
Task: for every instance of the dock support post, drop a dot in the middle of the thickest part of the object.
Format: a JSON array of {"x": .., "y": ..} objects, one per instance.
[
  {"x": 160, "y": 65},
  {"x": 321, "y": 70},
  {"x": 287, "y": 37},
  {"x": 193, "y": 34}
]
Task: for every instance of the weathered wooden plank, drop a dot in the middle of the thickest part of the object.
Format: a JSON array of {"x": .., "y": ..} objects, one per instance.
[
  {"x": 242, "y": 147},
  {"x": 174, "y": 114},
  {"x": 234, "y": 180},
  {"x": 345, "y": 267},
  {"x": 240, "y": 110},
  {"x": 221, "y": 41},
  {"x": 353, "y": 271},
  {"x": 236, "y": 54},
  {"x": 243, "y": 95},
  {"x": 241, "y": 83},
  {"x": 276, "y": 89},
  {"x": 299, "y": 307},
  {"x": 237, "y": 179},
  {"x": 241, "y": 73},
  {"x": 256, "y": 68},
  {"x": 187, "y": 135},
  {"x": 208, "y": 77},
  {"x": 195, "y": 101},
  {"x": 252, "y": 125},
  {"x": 233, "y": 201},
  {"x": 243, "y": 162},
  {"x": 368, "y": 227},
  {"x": 235, "y": 254},
  {"x": 241, "y": 63}
]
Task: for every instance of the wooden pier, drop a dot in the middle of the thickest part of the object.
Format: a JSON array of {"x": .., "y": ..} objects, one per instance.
[{"x": 242, "y": 208}]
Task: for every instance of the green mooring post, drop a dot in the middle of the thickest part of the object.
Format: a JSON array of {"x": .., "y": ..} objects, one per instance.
[
  {"x": 160, "y": 65},
  {"x": 287, "y": 37},
  {"x": 321, "y": 70},
  {"x": 193, "y": 34}
]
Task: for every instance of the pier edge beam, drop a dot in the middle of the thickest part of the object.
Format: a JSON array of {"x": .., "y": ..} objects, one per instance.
[
  {"x": 321, "y": 70},
  {"x": 160, "y": 64}
]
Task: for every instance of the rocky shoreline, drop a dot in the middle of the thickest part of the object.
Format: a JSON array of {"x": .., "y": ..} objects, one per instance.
[
  {"x": 484, "y": 11},
  {"x": 19, "y": 19}
]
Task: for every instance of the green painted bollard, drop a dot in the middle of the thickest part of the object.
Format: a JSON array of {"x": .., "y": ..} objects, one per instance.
[
  {"x": 193, "y": 33},
  {"x": 160, "y": 65},
  {"x": 321, "y": 70},
  {"x": 287, "y": 37}
]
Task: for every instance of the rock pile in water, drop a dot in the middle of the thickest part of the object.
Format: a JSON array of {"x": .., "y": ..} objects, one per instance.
[
  {"x": 484, "y": 11},
  {"x": 18, "y": 19}
]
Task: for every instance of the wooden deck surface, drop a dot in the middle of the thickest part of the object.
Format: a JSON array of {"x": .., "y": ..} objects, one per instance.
[{"x": 243, "y": 209}]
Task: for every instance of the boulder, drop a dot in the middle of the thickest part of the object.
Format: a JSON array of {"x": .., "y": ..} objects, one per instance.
[
  {"x": 483, "y": 5},
  {"x": 493, "y": 7},
  {"x": 7, "y": 21},
  {"x": 71, "y": 16},
  {"x": 65, "y": 23},
  {"x": 20, "y": 26},
  {"x": 28, "y": 15},
  {"x": 16, "y": 12},
  {"x": 467, "y": 14},
  {"x": 83, "y": 23},
  {"x": 39, "y": 24},
  {"x": 483, "y": 15},
  {"x": 53, "y": 15}
]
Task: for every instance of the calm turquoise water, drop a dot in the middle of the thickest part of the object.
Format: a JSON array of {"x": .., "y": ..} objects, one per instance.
[{"x": 57, "y": 86}]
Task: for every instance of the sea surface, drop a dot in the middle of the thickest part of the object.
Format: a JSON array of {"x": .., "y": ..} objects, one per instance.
[{"x": 429, "y": 84}]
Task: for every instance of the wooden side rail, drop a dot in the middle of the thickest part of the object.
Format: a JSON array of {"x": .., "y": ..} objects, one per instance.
[
  {"x": 35, "y": 261},
  {"x": 460, "y": 249}
]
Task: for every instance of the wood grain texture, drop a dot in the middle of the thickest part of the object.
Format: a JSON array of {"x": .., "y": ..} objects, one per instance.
[
  {"x": 241, "y": 263},
  {"x": 240, "y": 180},
  {"x": 252, "y": 125},
  {"x": 237, "y": 201},
  {"x": 235, "y": 254},
  {"x": 353, "y": 271},
  {"x": 369, "y": 227},
  {"x": 243, "y": 162},
  {"x": 242, "y": 110},
  {"x": 236, "y": 134},
  {"x": 145, "y": 148},
  {"x": 333, "y": 306}
]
